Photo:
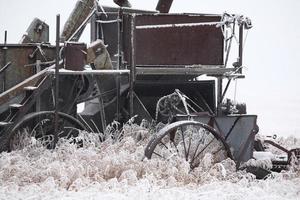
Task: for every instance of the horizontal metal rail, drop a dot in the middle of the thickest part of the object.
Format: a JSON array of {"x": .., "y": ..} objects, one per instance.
[
  {"x": 179, "y": 25},
  {"x": 91, "y": 72},
  {"x": 182, "y": 71}
]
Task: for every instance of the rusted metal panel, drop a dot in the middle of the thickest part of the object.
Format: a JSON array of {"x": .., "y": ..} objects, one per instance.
[
  {"x": 189, "y": 44},
  {"x": 20, "y": 56},
  {"x": 186, "y": 45},
  {"x": 75, "y": 56}
]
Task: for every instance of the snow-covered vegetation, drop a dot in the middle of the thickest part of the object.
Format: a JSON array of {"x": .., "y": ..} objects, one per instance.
[{"x": 117, "y": 169}]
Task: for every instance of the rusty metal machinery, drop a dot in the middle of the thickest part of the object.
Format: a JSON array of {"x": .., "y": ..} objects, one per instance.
[{"x": 139, "y": 63}]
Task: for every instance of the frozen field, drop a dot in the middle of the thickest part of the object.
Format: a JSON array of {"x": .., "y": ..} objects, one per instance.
[{"x": 115, "y": 170}]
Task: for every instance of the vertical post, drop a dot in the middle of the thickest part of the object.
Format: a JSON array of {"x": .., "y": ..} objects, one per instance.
[
  {"x": 119, "y": 61},
  {"x": 4, "y": 62},
  {"x": 93, "y": 28},
  {"x": 5, "y": 37},
  {"x": 241, "y": 36},
  {"x": 38, "y": 100},
  {"x": 219, "y": 95},
  {"x": 132, "y": 66},
  {"x": 56, "y": 79},
  {"x": 101, "y": 104}
]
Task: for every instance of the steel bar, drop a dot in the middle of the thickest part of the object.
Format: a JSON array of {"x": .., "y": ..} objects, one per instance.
[
  {"x": 4, "y": 62},
  {"x": 219, "y": 95},
  {"x": 276, "y": 145},
  {"x": 5, "y": 37},
  {"x": 147, "y": 114},
  {"x": 240, "y": 61},
  {"x": 230, "y": 42},
  {"x": 93, "y": 29},
  {"x": 90, "y": 72},
  {"x": 132, "y": 66},
  {"x": 56, "y": 79},
  {"x": 40, "y": 63},
  {"x": 205, "y": 103},
  {"x": 108, "y": 21},
  {"x": 180, "y": 66},
  {"x": 179, "y": 25},
  {"x": 197, "y": 147},
  {"x": 182, "y": 71},
  {"x": 5, "y": 67},
  {"x": 119, "y": 65},
  {"x": 232, "y": 127},
  {"x": 182, "y": 135},
  {"x": 203, "y": 149},
  {"x": 101, "y": 103},
  {"x": 225, "y": 90},
  {"x": 38, "y": 100}
]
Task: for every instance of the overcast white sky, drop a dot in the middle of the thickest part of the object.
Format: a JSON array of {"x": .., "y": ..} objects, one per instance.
[{"x": 272, "y": 85}]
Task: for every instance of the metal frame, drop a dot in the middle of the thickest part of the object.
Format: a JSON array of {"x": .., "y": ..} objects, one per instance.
[
  {"x": 129, "y": 64},
  {"x": 220, "y": 72}
]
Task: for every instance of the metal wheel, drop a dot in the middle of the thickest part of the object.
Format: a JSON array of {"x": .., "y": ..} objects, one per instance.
[
  {"x": 190, "y": 140},
  {"x": 41, "y": 126}
]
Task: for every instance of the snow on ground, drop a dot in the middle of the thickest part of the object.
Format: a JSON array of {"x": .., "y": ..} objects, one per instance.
[{"x": 117, "y": 170}]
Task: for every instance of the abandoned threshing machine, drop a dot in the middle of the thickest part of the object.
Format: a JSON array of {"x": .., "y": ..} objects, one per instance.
[{"x": 140, "y": 63}]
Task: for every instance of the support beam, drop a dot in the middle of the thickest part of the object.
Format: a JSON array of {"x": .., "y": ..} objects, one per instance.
[
  {"x": 219, "y": 95},
  {"x": 56, "y": 80},
  {"x": 132, "y": 66},
  {"x": 241, "y": 38}
]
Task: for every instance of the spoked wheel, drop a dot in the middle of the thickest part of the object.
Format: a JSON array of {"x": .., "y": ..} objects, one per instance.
[
  {"x": 41, "y": 126},
  {"x": 190, "y": 140}
]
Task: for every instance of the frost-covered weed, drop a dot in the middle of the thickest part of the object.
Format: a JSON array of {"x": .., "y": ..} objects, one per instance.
[{"x": 115, "y": 164}]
